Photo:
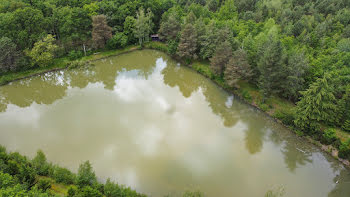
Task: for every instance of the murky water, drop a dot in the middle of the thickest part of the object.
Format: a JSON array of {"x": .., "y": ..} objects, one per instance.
[{"x": 149, "y": 123}]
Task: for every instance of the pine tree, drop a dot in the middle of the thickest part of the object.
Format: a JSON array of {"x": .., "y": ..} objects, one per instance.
[
  {"x": 344, "y": 109},
  {"x": 237, "y": 68},
  {"x": 170, "y": 27},
  {"x": 188, "y": 43},
  {"x": 222, "y": 55},
  {"x": 317, "y": 105},
  {"x": 101, "y": 32},
  {"x": 208, "y": 41},
  {"x": 295, "y": 70},
  {"x": 271, "y": 66}
]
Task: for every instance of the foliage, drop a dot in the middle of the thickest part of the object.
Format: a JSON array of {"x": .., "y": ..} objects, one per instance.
[
  {"x": 271, "y": 66},
  {"x": 222, "y": 55},
  {"x": 44, "y": 184},
  {"x": 329, "y": 136},
  {"x": 63, "y": 175},
  {"x": 42, "y": 53},
  {"x": 86, "y": 176},
  {"x": 143, "y": 25},
  {"x": 119, "y": 40},
  {"x": 188, "y": 43},
  {"x": 8, "y": 55},
  {"x": 40, "y": 164},
  {"x": 170, "y": 27},
  {"x": 192, "y": 194},
  {"x": 237, "y": 68},
  {"x": 317, "y": 105}
]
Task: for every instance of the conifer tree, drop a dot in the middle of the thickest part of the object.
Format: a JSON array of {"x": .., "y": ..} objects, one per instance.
[
  {"x": 237, "y": 68},
  {"x": 170, "y": 27},
  {"x": 317, "y": 105},
  {"x": 188, "y": 43},
  {"x": 271, "y": 66},
  {"x": 221, "y": 57}
]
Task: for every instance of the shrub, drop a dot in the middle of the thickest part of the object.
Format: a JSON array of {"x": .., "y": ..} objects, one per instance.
[
  {"x": 73, "y": 55},
  {"x": 246, "y": 95},
  {"x": 89, "y": 192},
  {"x": 76, "y": 64},
  {"x": 6, "y": 180},
  {"x": 329, "y": 136},
  {"x": 287, "y": 116},
  {"x": 119, "y": 40},
  {"x": 44, "y": 184},
  {"x": 263, "y": 106},
  {"x": 344, "y": 150},
  {"x": 192, "y": 194},
  {"x": 172, "y": 47},
  {"x": 346, "y": 126},
  {"x": 72, "y": 191},
  {"x": 63, "y": 175}
]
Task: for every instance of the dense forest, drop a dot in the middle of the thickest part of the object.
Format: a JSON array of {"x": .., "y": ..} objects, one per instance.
[
  {"x": 298, "y": 50},
  {"x": 20, "y": 176}
]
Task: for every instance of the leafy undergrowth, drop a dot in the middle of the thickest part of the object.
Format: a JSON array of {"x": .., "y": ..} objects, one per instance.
[{"x": 56, "y": 188}]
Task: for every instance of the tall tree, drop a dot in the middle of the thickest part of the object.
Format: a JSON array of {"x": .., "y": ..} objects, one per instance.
[
  {"x": 188, "y": 43},
  {"x": 237, "y": 68},
  {"x": 317, "y": 105},
  {"x": 271, "y": 66},
  {"x": 101, "y": 32},
  {"x": 208, "y": 41},
  {"x": 143, "y": 25},
  {"x": 170, "y": 27},
  {"x": 222, "y": 55},
  {"x": 8, "y": 55},
  {"x": 294, "y": 82},
  {"x": 24, "y": 26}
]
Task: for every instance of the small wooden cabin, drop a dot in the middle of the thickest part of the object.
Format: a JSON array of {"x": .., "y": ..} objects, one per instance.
[{"x": 155, "y": 37}]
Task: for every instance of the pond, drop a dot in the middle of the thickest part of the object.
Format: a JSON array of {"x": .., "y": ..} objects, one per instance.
[{"x": 148, "y": 122}]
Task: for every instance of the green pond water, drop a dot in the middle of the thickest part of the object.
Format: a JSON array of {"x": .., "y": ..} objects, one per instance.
[{"x": 147, "y": 122}]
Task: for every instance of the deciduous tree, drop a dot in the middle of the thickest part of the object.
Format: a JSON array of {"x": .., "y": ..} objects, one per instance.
[
  {"x": 42, "y": 53},
  {"x": 101, "y": 32},
  {"x": 143, "y": 25},
  {"x": 8, "y": 55}
]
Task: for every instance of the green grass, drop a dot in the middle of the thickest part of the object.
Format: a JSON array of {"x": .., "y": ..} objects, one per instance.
[{"x": 156, "y": 45}]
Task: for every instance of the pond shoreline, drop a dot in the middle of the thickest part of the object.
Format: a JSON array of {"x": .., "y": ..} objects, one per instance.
[{"x": 329, "y": 149}]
